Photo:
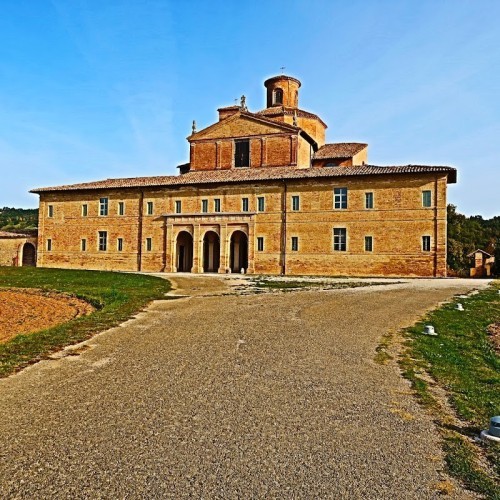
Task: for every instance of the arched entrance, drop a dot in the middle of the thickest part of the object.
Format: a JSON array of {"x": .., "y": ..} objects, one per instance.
[
  {"x": 239, "y": 252},
  {"x": 29, "y": 255},
  {"x": 184, "y": 252},
  {"x": 211, "y": 252}
]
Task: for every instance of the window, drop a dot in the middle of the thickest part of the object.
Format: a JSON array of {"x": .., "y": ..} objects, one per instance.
[
  {"x": 149, "y": 244},
  {"x": 51, "y": 210},
  {"x": 368, "y": 243},
  {"x": 103, "y": 241},
  {"x": 368, "y": 200},
  {"x": 260, "y": 243},
  {"x": 204, "y": 206},
  {"x": 149, "y": 208},
  {"x": 295, "y": 203},
  {"x": 49, "y": 245},
  {"x": 331, "y": 164},
  {"x": 340, "y": 239},
  {"x": 244, "y": 204},
  {"x": 217, "y": 205},
  {"x": 261, "y": 204},
  {"x": 277, "y": 96},
  {"x": 119, "y": 244},
  {"x": 85, "y": 210},
  {"x": 295, "y": 243},
  {"x": 340, "y": 198},
  {"x": 426, "y": 199},
  {"x": 121, "y": 208},
  {"x": 84, "y": 245},
  {"x": 426, "y": 243},
  {"x": 242, "y": 153},
  {"x": 103, "y": 206},
  {"x": 178, "y": 206}
]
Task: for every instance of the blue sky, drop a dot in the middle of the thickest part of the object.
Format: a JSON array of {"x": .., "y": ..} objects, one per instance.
[{"x": 96, "y": 89}]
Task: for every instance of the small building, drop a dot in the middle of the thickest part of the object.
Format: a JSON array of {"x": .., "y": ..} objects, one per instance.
[
  {"x": 481, "y": 264},
  {"x": 17, "y": 249}
]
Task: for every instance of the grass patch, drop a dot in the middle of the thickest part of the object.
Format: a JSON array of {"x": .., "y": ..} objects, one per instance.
[
  {"x": 290, "y": 285},
  {"x": 462, "y": 361},
  {"x": 116, "y": 296}
]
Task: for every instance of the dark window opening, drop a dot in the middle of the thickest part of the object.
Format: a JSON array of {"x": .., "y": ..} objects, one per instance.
[
  {"x": 278, "y": 96},
  {"x": 242, "y": 153}
]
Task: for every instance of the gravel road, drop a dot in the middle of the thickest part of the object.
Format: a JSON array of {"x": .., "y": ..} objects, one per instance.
[{"x": 229, "y": 396}]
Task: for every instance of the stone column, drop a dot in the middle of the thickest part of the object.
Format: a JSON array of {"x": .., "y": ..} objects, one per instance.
[
  {"x": 223, "y": 249},
  {"x": 251, "y": 248},
  {"x": 170, "y": 248},
  {"x": 196, "y": 250}
]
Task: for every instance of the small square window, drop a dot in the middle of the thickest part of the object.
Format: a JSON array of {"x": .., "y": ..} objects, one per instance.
[
  {"x": 49, "y": 245},
  {"x": 340, "y": 198},
  {"x": 217, "y": 205},
  {"x": 426, "y": 199},
  {"x": 103, "y": 241},
  {"x": 121, "y": 208},
  {"x": 368, "y": 243},
  {"x": 244, "y": 204},
  {"x": 368, "y": 200},
  {"x": 340, "y": 239},
  {"x": 295, "y": 203},
  {"x": 295, "y": 243},
  {"x": 149, "y": 244},
  {"x": 204, "y": 206},
  {"x": 84, "y": 245},
  {"x": 85, "y": 210},
  {"x": 50, "y": 211},
  {"x": 149, "y": 208},
  {"x": 426, "y": 243},
  {"x": 119, "y": 244},
  {"x": 261, "y": 204},
  {"x": 178, "y": 206},
  {"x": 103, "y": 206},
  {"x": 260, "y": 243}
]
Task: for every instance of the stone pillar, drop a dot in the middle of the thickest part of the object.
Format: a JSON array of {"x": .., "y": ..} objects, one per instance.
[
  {"x": 196, "y": 250},
  {"x": 251, "y": 248},
  {"x": 170, "y": 249},
  {"x": 223, "y": 249}
]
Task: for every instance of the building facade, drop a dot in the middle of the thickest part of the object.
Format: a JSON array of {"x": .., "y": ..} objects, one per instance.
[
  {"x": 262, "y": 193},
  {"x": 17, "y": 249}
]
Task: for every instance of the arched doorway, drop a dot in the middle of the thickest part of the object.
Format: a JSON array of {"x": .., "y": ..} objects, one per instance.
[
  {"x": 239, "y": 252},
  {"x": 184, "y": 252},
  {"x": 211, "y": 252},
  {"x": 29, "y": 255}
]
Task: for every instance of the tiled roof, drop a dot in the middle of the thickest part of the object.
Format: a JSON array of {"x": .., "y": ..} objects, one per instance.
[
  {"x": 6, "y": 234},
  {"x": 282, "y": 110},
  {"x": 339, "y": 150},
  {"x": 251, "y": 175}
]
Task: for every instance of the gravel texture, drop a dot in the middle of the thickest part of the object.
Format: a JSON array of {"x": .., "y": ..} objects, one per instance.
[{"x": 229, "y": 396}]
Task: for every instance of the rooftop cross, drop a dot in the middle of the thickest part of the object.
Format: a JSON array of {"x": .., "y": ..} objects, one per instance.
[{"x": 282, "y": 70}]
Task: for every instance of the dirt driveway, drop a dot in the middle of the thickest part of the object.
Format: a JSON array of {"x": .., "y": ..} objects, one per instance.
[{"x": 229, "y": 396}]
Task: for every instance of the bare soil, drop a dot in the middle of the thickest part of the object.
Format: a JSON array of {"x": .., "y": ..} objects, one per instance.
[
  {"x": 26, "y": 310},
  {"x": 494, "y": 333}
]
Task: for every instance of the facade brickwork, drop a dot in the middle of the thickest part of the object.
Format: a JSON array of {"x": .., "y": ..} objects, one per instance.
[{"x": 343, "y": 220}]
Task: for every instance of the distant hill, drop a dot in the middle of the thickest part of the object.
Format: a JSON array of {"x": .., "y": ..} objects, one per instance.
[{"x": 18, "y": 219}]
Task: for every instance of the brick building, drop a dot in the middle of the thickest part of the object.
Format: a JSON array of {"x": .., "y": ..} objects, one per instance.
[
  {"x": 17, "y": 249},
  {"x": 262, "y": 192}
]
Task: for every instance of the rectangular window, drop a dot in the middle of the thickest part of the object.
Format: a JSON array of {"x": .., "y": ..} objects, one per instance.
[
  {"x": 340, "y": 239},
  {"x": 368, "y": 200},
  {"x": 103, "y": 241},
  {"x": 295, "y": 243},
  {"x": 260, "y": 243},
  {"x": 119, "y": 244},
  {"x": 242, "y": 153},
  {"x": 49, "y": 245},
  {"x": 340, "y": 198},
  {"x": 121, "y": 208},
  {"x": 149, "y": 244},
  {"x": 426, "y": 243},
  {"x": 149, "y": 208},
  {"x": 426, "y": 199},
  {"x": 178, "y": 206},
  {"x": 261, "y": 204},
  {"x": 204, "y": 206},
  {"x": 244, "y": 204},
  {"x": 84, "y": 245},
  {"x": 85, "y": 210},
  {"x": 368, "y": 243},
  {"x": 217, "y": 205},
  {"x": 103, "y": 206},
  {"x": 51, "y": 211},
  {"x": 295, "y": 203}
]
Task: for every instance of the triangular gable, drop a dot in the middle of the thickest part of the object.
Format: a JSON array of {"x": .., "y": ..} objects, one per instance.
[
  {"x": 242, "y": 124},
  {"x": 481, "y": 251}
]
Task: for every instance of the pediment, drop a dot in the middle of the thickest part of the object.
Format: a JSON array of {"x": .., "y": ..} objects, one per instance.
[{"x": 241, "y": 125}]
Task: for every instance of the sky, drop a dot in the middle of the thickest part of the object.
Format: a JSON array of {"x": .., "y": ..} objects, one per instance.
[{"x": 93, "y": 89}]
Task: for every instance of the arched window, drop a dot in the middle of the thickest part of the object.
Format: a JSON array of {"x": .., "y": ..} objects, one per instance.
[{"x": 278, "y": 96}]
